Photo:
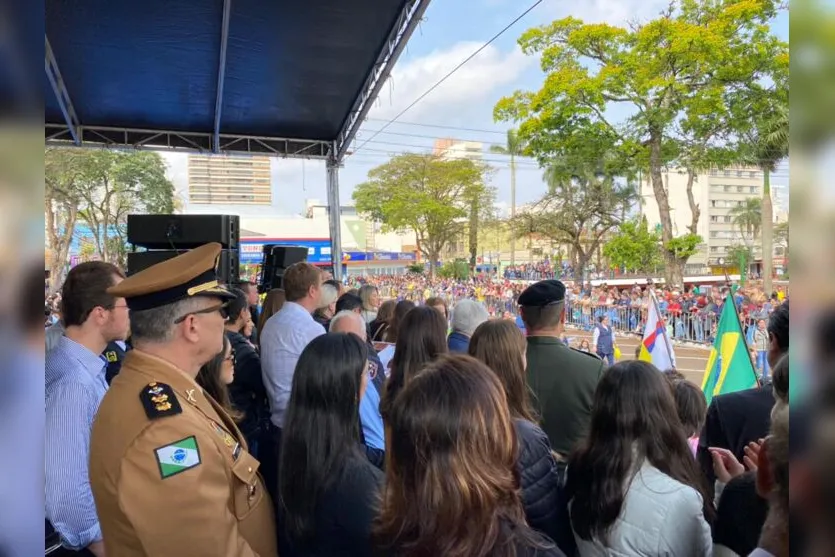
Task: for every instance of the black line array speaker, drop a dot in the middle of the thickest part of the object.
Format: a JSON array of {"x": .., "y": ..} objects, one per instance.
[
  {"x": 183, "y": 231},
  {"x": 276, "y": 261},
  {"x": 228, "y": 269}
]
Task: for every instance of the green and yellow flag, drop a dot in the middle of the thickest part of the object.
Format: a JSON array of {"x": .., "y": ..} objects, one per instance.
[{"x": 729, "y": 367}]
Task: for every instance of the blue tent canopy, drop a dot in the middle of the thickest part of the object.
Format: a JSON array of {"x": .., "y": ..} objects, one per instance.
[
  {"x": 283, "y": 77},
  {"x": 289, "y": 78}
]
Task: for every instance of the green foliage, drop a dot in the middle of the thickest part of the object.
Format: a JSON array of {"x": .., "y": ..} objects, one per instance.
[
  {"x": 747, "y": 217},
  {"x": 683, "y": 247},
  {"x": 100, "y": 188},
  {"x": 739, "y": 253},
  {"x": 429, "y": 195},
  {"x": 458, "y": 269},
  {"x": 416, "y": 268},
  {"x": 634, "y": 247},
  {"x": 688, "y": 80}
]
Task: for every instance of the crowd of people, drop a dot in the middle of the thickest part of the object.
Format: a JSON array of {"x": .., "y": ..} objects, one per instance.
[{"x": 335, "y": 421}]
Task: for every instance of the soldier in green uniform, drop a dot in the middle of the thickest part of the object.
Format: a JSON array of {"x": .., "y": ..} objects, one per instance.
[{"x": 562, "y": 379}]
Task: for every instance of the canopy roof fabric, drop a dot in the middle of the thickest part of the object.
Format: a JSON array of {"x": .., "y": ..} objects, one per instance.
[{"x": 283, "y": 77}]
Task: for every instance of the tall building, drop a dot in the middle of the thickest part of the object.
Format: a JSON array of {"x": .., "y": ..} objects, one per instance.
[
  {"x": 228, "y": 180},
  {"x": 455, "y": 149},
  {"x": 716, "y": 192}
]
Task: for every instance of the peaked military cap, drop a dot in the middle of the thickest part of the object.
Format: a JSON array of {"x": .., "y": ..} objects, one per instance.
[{"x": 189, "y": 274}]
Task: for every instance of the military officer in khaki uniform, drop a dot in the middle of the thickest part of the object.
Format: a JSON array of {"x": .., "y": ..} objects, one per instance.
[{"x": 170, "y": 472}]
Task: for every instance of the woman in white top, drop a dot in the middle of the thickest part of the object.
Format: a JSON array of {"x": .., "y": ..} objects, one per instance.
[{"x": 634, "y": 487}]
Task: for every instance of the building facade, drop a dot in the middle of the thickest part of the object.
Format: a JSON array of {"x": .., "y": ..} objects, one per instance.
[
  {"x": 716, "y": 192},
  {"x": 229, "y": 180}
]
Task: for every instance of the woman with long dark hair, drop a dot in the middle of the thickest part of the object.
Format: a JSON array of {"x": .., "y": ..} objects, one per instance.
[
  {"x": 451, "y": 485},
  {"x": 395, "y": 323},
  {"x": 327, "y": 488},
  {"x": 216, "y": 375},
  {"x": 634, "y": 487},
  {"x": 377, "y": 328},
  {"x": 421, "y": 338},
  {"x": 501, "y": 346}
]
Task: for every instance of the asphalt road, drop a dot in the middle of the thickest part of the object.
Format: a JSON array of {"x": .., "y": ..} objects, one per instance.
[{"x": 691, "y": 360}]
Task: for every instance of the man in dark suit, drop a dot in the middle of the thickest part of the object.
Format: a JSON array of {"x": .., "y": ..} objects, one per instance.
[{"x": 736, "y": 419}]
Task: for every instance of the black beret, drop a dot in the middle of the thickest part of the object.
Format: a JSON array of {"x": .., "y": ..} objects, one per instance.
[{"x": 542, "y": 293}]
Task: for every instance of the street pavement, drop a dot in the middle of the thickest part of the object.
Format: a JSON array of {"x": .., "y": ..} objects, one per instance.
[{"x": 691, "y": 360}]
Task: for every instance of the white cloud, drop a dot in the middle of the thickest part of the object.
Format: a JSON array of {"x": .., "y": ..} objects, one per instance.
[
  {"x": 615, "y": 12},
  {"x": 475, "y": 82}
]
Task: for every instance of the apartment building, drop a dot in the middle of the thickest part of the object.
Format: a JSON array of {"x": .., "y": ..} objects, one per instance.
[
  {"x": 717, "y": 193},
  {"x": 229, "y": 180}
]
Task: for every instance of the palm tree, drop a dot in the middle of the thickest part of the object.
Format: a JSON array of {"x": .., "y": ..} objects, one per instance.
[
  {"x": 748, "y": 218},
  {"x": 513, "y": 148},
  {"x": 773, "y": 147}
]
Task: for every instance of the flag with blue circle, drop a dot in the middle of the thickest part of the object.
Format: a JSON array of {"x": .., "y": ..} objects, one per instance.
[{"x": 178, "y": 457}]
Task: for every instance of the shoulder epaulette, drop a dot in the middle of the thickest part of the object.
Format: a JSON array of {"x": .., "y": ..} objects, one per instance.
[
  {"x": 589, "y": 354},
  {"x": 159, "y": 401}
]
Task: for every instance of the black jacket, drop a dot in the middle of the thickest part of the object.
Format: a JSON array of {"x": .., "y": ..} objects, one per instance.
[
  {"x": 344, "y": 514},
  {"x": 247, "y": 390},
  {"x": 542, "y": 496},
  {"x": 734, "y": 420}
]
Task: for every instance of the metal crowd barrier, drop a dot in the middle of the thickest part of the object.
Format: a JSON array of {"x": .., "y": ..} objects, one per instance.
[{"x": 698, "y": 326}]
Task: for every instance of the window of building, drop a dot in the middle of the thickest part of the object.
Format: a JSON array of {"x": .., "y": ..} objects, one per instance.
[
  {"x": 727, "y": 188},
  {"x": 714, "y": 249},
  {"x": 727, "y": 173},
  {"x": 727, "y": 219},
  {"x": 740, "y": 189},
  {"x": 752, "y": 174},
  {"x": 739, "y": 174},
  {"x": 714, "y": 233},
  {"x": 714, "y": 218},
  {"x": 754, "y": 189}
]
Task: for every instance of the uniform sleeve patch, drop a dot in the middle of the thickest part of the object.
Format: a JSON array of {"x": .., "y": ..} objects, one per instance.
[
  {"x": 178, "y": 457},
  {"x": 159, "y": 400}
]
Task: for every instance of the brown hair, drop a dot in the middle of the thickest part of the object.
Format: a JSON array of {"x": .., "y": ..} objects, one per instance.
[
  {"x": 86, "y": 289},
  {"x": 421, "y": 339},
  {"x": 298, "y": 279},
  {"x": 450, "y": 453},
  {"x": 402, "y": 308},
  {"x": 780, "y": 379},
  {"x": 436, "y": 301},
  {"x": 209, "y": 379},
  {"x": 500, "y": 345},
  {"x": 272, "y": 304},
  {"x": 691, "y": 406},
  {"x": 385, "y": 315}
]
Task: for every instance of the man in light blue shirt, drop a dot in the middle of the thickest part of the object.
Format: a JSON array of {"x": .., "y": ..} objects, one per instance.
[{"x": 74, "y": 386}]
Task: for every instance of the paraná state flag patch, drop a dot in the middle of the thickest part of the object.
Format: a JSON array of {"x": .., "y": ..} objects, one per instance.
[{"x": 178, "y": 457}]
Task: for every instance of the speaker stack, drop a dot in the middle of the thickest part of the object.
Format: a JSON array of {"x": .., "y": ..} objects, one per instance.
[
  {"x": 276, "y": 260},
  {"x": 166, "y": 236}
]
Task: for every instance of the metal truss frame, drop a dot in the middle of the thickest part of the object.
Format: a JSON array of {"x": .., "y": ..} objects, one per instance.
[{"x": 401, "y": 31}]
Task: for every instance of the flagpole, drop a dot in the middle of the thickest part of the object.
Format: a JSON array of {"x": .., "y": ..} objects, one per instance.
[
  {"x": 744, "y": 340},
  {"x": 666, "y": 339}
]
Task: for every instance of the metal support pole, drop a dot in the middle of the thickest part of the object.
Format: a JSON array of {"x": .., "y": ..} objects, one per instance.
[
  {"x": 221, "y": 73},
  {"x": 61, "y": 94},
  {"x": 334, "y": 220}
]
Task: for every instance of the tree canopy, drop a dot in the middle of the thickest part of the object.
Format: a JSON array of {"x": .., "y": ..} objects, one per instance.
[
  {"x": 679, "y": 79},
  {"x": 429, "y": 195},
  {"x": 634, "y": 247}
]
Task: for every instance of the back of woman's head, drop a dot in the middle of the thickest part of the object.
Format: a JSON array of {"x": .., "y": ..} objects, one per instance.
[
  {"x": 634, "y": 418},
  {"x": 366, "y": 291},
  {"x": 272, "y": 304},
  {"x": 691, "y": 406},
  {"x": 386, "y": 311},
  {"x": 501, "y": 346},
  {"x": 400, "y": 310},
  {"x": 321, "y": 426},
  {"x": 450, "y": 453},
  {"x": 421, "y": 339}
]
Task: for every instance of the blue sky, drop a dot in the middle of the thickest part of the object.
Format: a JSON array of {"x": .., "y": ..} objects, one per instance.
[{"x": 450, "y": 32}]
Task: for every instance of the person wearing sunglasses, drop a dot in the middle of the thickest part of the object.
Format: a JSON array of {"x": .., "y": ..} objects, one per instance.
[{"x": 170, "y": 471}]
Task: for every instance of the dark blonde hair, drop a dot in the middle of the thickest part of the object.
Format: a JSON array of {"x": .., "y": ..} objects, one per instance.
[
  {"x": 500, "y": 345},
  {"x": 450, "y": 453},
  {"x": 272, "y": 304}
]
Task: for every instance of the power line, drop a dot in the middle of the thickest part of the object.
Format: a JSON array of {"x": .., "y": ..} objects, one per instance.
[
  {"x": 456, "y": 68},
  {"x": 434, "y": 126}
]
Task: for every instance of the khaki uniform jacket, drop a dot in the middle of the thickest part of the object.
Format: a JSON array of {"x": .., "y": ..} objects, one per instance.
[
  {"x": 562, "y": 381},
  {"x": 155, "y": 495}
]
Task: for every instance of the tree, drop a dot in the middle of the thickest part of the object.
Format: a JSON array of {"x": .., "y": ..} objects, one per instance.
[
  {"x": 579, "y": 209},
  {"x": 668, "y": 75},
  {"x": 781, "y": 236},
  {"x": 748, "y": 218},
  {"x": 513, "y": 148},
  {"x": 104, "y": 187},
  {"x": 740, "y": 256},
  {"x": 634, "y": 247},
  {"x": 429, "y": 195},
  {"x": 61, "y": 205}
]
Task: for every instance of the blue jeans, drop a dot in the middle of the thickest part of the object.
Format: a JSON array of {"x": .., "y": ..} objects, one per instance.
[
  {"x": 609, "y": 358},
  {"x": 762, "y": 363}
]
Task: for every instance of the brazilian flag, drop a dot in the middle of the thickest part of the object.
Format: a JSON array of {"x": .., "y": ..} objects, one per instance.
[{"x": 729, "y": 367}]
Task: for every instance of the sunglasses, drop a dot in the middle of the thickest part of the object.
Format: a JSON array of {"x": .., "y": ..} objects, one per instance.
[{"x": 223, "y": 309}]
